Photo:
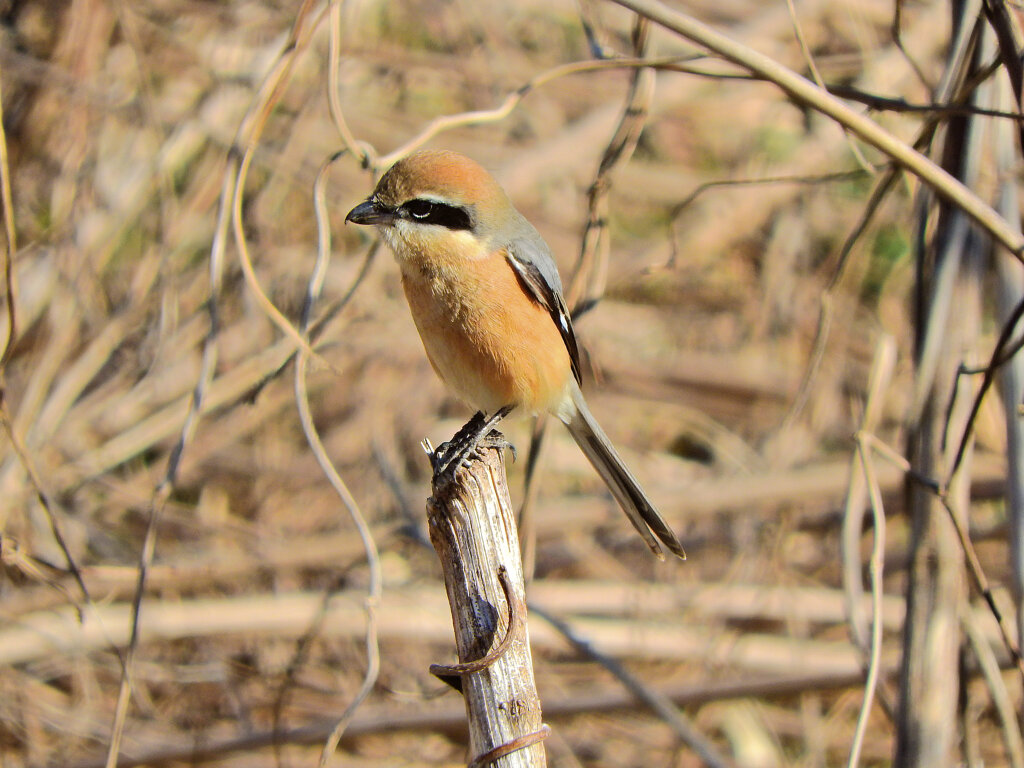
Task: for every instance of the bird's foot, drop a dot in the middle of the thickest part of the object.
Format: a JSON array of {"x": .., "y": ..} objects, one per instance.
[
  {"x": 495, "y": 439},
  {"x": 455, "y": 451},
  {"x": 468, "y": 443}
]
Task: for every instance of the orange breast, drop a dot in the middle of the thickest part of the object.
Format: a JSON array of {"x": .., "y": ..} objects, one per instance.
[{"x": 486, "y": 338}]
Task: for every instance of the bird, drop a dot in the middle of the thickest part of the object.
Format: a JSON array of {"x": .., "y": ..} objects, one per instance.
[{"x": 486, "y": 298}]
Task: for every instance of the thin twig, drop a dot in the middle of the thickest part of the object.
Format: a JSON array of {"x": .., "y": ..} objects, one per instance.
[
  {"x": 805, "y": 49},
  {"x": 374, "y": 589},
  {"x": 531, "y": 490},
  {"x": 591, "y": 270},
  {"x": 1000, "y": 696},
  {"x": 361, "y": 150},
  {"x": 901, "y": 105},
  {"x": 10, "y": 244},
  {"x": 807, "y": 93},
  {"x": 875, "y": 570},
  {"x": 48, "y": 505},
  {"x": 492, "y": 756},
  {"x": 512, "y": 100},
  {"x": 981, "y": 583},
  {"x": 163, "y": 490},
  {"x": 656, "y": 701},
  {"x": 230, "y": 203},
  {"x": 20, "y": 450},
  {"x": 247, "y": 141},
  {"x": 896, "y": 31},
  {"x": 589, "y": 275},
  {"x": 385, "y": 720},
  {"x": 303, "y": 648},
  {"x": 882, "y": 188},
  {"x": 998, "y": 357},
  {"x": 858, "y": 492},
  {"x": 516, "y": 615}
]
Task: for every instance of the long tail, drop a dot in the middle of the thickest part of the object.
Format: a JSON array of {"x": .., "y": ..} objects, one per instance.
[{"x": 627, "y": 491}]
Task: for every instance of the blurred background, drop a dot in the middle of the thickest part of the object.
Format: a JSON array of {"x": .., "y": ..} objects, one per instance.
[{"x": 725, "y": 218}]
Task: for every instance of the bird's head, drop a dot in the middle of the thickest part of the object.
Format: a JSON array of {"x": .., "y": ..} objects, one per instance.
[{"x": 436, "y": 199}]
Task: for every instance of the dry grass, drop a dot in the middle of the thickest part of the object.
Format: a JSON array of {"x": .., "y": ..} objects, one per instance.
[{"x": 119, "y": 120}]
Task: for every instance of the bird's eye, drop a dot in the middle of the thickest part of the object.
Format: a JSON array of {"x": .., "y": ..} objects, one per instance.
[
  {"x": 435, "y": 212},
  {"x": 419, "y": 209}
]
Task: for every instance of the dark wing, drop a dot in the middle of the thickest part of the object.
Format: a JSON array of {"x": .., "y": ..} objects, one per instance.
[{"x": 537, "y": 273}]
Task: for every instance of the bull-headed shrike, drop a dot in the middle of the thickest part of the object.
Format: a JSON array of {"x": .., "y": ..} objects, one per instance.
[{"x": 486, "y": 298}]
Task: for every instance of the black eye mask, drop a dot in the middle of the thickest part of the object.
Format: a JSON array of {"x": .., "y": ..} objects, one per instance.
[{"x": 434, "y": 212}]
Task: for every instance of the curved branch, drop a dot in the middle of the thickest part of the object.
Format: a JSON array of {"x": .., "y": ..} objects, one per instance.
[{"x": 805, "y": 92}]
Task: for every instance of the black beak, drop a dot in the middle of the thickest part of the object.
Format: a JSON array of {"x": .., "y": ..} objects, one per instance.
[{"x": 370, "y": 212}]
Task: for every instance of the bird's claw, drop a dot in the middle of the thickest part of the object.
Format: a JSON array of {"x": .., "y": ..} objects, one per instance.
[
  {"x": 495, "y": 439},
  {"x": 465, "y": 445}
]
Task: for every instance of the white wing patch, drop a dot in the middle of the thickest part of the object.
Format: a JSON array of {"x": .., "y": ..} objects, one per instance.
[{"x": 550, "y": 297}]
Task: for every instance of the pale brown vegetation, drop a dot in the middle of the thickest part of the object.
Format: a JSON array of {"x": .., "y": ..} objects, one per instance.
[{"x": 725, "y": 226}]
